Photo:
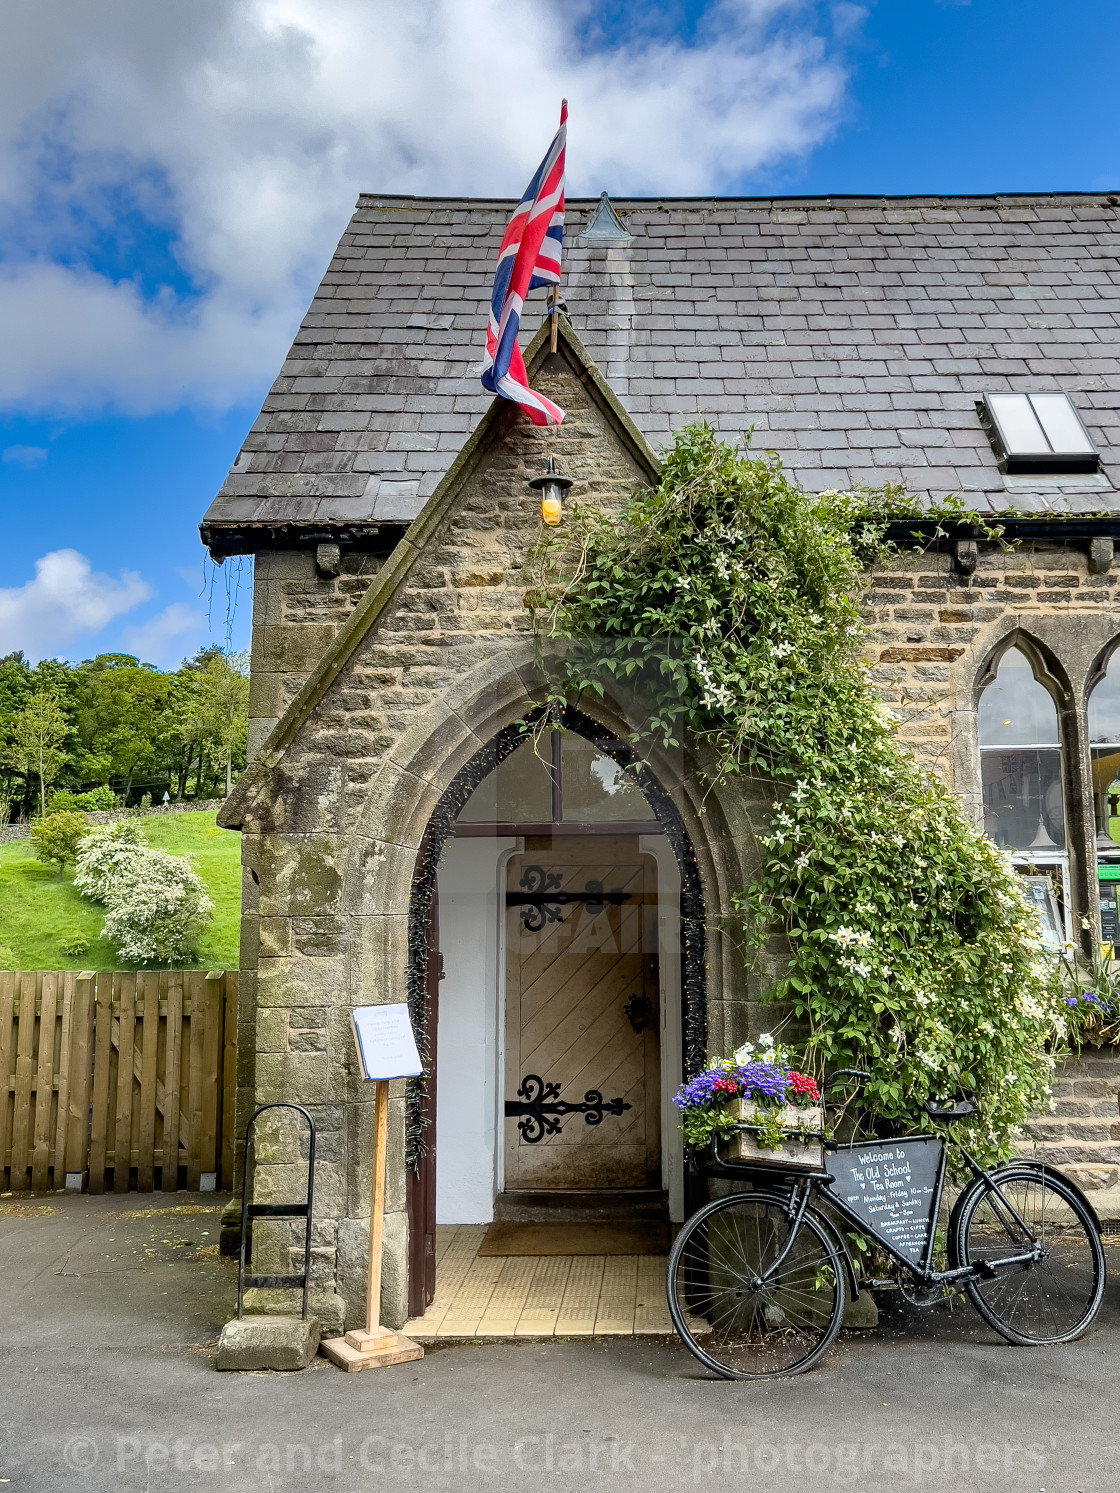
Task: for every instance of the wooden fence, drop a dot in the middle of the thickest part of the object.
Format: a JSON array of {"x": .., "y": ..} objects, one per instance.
[{"x": 126, "y": 1077}]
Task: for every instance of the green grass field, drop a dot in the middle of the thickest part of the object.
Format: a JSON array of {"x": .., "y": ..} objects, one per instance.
[{"x": 39, "y": 913}]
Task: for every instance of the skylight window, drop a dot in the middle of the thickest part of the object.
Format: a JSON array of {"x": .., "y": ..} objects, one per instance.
[{"x": 1038, "y": 433}]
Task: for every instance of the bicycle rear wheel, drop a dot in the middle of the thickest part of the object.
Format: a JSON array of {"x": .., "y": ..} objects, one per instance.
[
  {"x": 738, "y": 1320},
  {"x": 1053, "y": 1299}
]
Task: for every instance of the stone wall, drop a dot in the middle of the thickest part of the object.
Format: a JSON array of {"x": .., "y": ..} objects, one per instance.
[
  {"x": 22, "y": 831},
  {"x": 296, "y": 613},
  {"x": 1082, "y": 1133},
  {"x": 933, "y": 634},
  {"x": 924, "y": 618}
]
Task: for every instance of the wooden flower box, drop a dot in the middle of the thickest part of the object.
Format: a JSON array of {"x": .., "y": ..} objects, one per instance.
[{"x": 794, "y": 1155}]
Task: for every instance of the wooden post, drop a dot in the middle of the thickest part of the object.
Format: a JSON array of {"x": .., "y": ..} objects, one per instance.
[
  {"x": 374, "y": 1347},
  {"x": 553, "y": 317}
]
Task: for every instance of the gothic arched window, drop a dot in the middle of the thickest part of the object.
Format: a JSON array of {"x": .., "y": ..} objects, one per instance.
[
  {"x": 1104, "y": 749},
  {"x": 1104, "y": 754},
  {"x": 1021, "y": 762},
  {"x": 1021, "y": 772}
]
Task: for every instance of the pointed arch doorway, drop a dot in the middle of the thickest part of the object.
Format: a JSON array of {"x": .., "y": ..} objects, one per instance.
[{"x": 563, "y": 991}]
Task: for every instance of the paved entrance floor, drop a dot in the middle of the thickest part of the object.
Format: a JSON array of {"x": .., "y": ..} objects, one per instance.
[
  {"x": 540, "y": 1295},
  {"x": 107, "y": 1385}
]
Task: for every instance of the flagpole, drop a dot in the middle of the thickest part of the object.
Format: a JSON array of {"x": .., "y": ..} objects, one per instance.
[
  {"x": 553, "y": 312},
  {"x": 554, "y": 293}
]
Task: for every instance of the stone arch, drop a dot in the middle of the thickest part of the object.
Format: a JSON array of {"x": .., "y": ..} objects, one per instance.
[
  {"x": 1048, "y": 668},
  {"x": 1098, "y": 666},
  {"x": 441, "y": 826}
]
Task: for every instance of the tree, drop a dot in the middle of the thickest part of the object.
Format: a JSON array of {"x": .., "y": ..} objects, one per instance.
[
  {"x": 158, "y": 909},
  {"x": 37, "y": 735},
  {"x": 121, "y": 712},
  {"x": 15, "y": 687},
  {"x": 105, "y": 854},
  {"x": 218, "y": 713},
  {"x": 55, "y": 839}
]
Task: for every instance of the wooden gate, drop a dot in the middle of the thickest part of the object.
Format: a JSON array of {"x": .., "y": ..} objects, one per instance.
[{"x": 128, "y": 1077}]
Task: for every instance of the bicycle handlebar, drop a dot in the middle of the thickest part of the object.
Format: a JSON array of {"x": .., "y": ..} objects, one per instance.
[{"x": 857, "y": 1073}]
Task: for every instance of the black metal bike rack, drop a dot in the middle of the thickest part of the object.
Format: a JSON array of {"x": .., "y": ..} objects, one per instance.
[{"x": 276, "y": 1210}]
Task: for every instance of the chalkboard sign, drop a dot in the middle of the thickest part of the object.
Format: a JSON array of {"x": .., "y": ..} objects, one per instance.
[{"x": 892, "y": 1187}]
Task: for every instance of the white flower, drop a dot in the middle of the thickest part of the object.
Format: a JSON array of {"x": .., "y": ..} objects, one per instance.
[
  {"x": 783, "y": 650},
  {"x": 683, "y": 582},
  {"x": 743, "y": 1054},
  {"x": 765, "y": 1040}
]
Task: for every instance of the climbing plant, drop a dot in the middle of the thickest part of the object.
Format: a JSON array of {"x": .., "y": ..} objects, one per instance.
[{"x": 731, "y": 598}]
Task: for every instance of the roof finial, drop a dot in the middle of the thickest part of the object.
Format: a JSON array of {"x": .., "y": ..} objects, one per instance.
[{"x": 605, "y": 227}]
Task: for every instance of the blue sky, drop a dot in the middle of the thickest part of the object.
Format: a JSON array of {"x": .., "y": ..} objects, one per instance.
[{"x": 173, "y": 179}]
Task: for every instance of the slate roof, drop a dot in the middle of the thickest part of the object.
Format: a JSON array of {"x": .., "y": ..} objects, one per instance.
[{"x": 854, "y": 334}]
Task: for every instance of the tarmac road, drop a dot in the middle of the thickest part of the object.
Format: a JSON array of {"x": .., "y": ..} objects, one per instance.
[{"x": 111, "y": 1305}]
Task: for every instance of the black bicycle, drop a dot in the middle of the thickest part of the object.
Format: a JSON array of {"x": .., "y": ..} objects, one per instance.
[{"x": 758, "y": 1280}]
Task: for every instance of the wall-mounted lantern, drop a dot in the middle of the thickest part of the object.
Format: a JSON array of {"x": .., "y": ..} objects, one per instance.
[{"x": 552, "y": 489}]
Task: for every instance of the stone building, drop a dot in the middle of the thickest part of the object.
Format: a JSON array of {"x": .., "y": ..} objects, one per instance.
[{"x": 400, "y": 835}]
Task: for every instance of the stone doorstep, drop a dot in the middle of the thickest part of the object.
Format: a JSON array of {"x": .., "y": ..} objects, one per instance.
[{"x": 284, "y": 1344}]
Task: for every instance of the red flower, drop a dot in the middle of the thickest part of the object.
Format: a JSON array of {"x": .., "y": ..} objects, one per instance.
[
  {"x": 725, "y": 1086},
  {"x": 803, "y": 1086}
]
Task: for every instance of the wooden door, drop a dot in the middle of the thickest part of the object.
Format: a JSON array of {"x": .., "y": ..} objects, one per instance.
[{"x": 582, "y": 1017}]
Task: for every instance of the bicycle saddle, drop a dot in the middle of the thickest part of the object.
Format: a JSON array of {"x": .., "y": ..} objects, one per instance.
[{"x": 947, "y": 1110}]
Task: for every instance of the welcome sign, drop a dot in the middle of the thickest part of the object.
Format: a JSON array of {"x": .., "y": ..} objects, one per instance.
[{"x": 892, "y": 1187}]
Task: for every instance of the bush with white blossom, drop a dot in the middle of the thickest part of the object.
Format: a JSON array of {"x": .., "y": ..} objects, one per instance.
[
  {"x": 157, "y": 906},
  {"x": 912, "y": 951},
  {"x": 158, "y": 909},
  {"x": 104, "y": 853}
]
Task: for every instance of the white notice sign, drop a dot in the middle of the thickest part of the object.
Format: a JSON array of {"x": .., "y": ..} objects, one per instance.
[{"x": 386, "y": 1046}]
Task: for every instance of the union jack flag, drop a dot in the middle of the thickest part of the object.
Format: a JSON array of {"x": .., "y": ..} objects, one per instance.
[{"x": 529, "y": 257}]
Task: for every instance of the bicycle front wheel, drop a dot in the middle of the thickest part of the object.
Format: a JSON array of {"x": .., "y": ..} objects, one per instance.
[
  {"x": 1049, "y": 1300},
  {"x": 737, "y": 1309}
]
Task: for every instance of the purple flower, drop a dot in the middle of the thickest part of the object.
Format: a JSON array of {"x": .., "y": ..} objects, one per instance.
[{"x": 763, "y": 1082}]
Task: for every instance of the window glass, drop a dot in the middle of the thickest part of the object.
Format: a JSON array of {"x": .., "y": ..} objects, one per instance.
[
  {"x": 1058, "y": 419},
  {"x": 1104, "y": 754},
  {"x": 1015, "y": 710},
  {"x": 595, "y": 789},
  {"x": 518, "y": 791},
  {"x": 1018, "y": 423},
  {"x": 1021, "y": 762}
]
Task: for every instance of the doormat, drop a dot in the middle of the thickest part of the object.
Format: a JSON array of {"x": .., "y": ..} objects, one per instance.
[{"x": 635, "y": 1238}]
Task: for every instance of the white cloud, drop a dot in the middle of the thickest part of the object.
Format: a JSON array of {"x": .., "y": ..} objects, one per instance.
[
  {"x": 65, "y": 599},
  {"x": 24, "y": 456},
  {"x": 153, "y": 641},
  {"x": 242, "y": 130}
]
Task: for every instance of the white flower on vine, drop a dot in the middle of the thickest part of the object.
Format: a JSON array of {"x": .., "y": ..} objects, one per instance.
[
  {"x": 783, "y": 650},
  {"x": 802, "y": 861},
  {"x": 684, "y": 582}
]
